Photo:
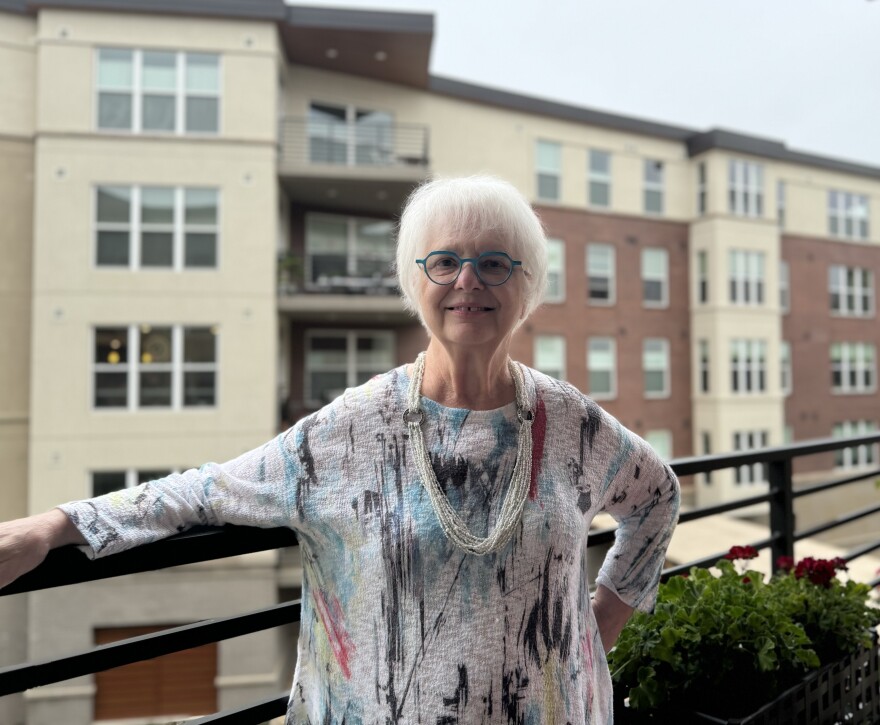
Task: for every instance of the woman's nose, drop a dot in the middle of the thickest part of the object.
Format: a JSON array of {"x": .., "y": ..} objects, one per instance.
[{"x": 468, "y": 278}]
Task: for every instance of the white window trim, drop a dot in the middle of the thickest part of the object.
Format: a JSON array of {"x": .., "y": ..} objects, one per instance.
[
  {"x": 663, "y": 278},
  {"x": 784, "y": 287},
  {"x": 612, "y": 277},
  {"x": 613, "y": 377},
  {"x": 659, "y": 186},
  {"x": 848, "y": 429},
  {"x": 179, "y": 229},
  {"x": 747, "y": 274},
  {"x": 350, "y": 335},
  {"x": 750, "y": 440},
  {"x": 562, "y": 372},
  {"x": 848, "y": 202},
  {"x": 752, "y": 363},
  {"x": 540, "y": 171},
  {"x": 704, "y": 367},
  {"x": 667, "y": 384},
  {"x": 837, "y": 283},
  {"x": 599, "y": 178},
  {"x": 561, "y": 271},
  {"x": 702, "y": 277},
  {"x": 133, "y": 368},
  {"x": 785, "y": 368},
  {"x": 137, "y": 93},
  {"x": 746, "y": 196},
  {"x": 853, "y": 357},
  {"x": 702, "y": 189}
]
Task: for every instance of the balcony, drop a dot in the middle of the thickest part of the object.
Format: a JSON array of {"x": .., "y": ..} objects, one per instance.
[
  {"x": 356, "y": 167},
  {"x": 68, "y": 566}
]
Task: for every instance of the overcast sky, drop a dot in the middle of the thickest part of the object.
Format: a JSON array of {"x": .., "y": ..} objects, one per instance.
[{"x": 806, "y": 72}]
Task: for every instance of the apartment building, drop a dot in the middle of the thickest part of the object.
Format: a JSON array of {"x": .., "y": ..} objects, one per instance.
[{"x": 199, "y": 202}]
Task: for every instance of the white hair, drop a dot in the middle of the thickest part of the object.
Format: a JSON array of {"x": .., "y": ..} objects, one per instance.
[{"x": 471, "y": 207}]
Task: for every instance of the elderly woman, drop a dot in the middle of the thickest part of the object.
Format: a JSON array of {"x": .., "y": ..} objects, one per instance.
[{"x": 442, "y": 508}]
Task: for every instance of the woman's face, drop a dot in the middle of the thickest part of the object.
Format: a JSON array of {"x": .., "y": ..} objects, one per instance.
[{"x": 469, "y": 313}]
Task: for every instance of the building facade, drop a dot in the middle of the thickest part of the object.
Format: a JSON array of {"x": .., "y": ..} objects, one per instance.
[{"x": 199, "y": 203}]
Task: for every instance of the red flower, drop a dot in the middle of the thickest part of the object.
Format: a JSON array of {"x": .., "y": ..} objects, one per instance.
[
  {"x": 820, "y": 572},
  {"x": 746, "y": 580},
  {"x": 785, "y": 563},
  {"x": 741, "y": 552}
]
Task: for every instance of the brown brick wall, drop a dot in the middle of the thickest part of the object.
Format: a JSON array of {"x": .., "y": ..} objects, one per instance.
[{"x": 812, "y": 409}]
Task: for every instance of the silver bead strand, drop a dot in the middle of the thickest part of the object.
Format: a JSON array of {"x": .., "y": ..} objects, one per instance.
[{"x": 510, "y": 514}]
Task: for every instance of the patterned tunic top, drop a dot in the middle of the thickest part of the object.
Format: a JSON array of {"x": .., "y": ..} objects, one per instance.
[{"x": 398, "y": 625}]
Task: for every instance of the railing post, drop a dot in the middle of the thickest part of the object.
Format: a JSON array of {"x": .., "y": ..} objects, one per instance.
[{"x": 782, "y": 523}]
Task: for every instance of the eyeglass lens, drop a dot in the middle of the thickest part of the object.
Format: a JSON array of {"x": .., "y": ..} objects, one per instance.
[{"x": 492, "y": 268}]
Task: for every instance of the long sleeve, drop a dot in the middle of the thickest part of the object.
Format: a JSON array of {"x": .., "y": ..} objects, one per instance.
[
  {"x": 643, "y": 496},
  {"x": 254, "y": 489}
]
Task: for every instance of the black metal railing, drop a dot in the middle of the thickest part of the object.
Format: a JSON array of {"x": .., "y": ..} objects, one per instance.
[
  {"x": 310, "y": 142},
  {"x": 70, "y": 566}
]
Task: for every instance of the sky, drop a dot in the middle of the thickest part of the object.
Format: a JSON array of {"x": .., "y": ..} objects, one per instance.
[{"x": 805, "y": 72}]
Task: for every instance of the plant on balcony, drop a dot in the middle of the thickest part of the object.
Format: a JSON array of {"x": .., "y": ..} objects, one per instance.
[
  {"x": 729, "y": 642},
  {"x": 290, "y": 271}
]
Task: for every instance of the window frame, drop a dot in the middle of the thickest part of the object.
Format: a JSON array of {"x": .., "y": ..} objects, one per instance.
[
  {"x": 596, "y": 177},
  {"x": 135, "y": 228},
  {"x": 784, "y": 287},
  {"x": 540, "y": 170},
  {"x": 611, "y": 369},
  {"x": 838, "y": 283},
  {"x": 137, "y": 91},
  {"x": 558, "y": 245},
  {"x": 866, "y": 454},
  {"x": 649, "y": 185},
  {"x": 667, "y": 383},
  {"x": 745, "y": 181},
  {"x": 350, "y": 334},
  {"x": 755, "y": 473},
  {"x": 845, "y": 214},
  {"x": 611, "y": 276},
  {"x": 704, "y": 367},
  {"x": 747, "y": 274},
  {"x": 748, "y": 366},
  {"x": 663, "y": 278},
  {"x": 786, "y": 370},
  {"x": 702, "y": 189},
  {"x": 561, "y": 367},
  {"x": 352, "y": 254},
  {"x": 133, "y": 369},
  {"x": 857, "y": 359}
]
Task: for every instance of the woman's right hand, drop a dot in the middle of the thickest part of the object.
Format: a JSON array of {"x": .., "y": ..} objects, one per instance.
[{"x": 24, "y": 543}]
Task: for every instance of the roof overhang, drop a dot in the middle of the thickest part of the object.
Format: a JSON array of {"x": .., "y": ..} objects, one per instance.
[{"x": 387, "y": 46}]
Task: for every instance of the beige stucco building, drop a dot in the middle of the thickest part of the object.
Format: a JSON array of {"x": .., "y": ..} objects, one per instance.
[{"x": 198, "y": 207}]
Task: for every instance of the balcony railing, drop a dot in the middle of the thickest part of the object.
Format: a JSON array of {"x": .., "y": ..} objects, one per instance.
[
  {"x": 70, "y": 566},
  {"x": 307, "y": 142}
]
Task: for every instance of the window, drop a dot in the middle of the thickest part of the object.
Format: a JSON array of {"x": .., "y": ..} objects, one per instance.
[
  {"x": 349, "y": 252},
  {"x": 156, "y": 227},
  {"x": 145, "y": 366},
  {"x": 600, "y": 274},
  {"x": 108, "y": 481},
  {"x": 653, "y": 186},
  {"x": 750, "y": 441},
  {"x": 784, "y": 287},
  {"x": 848, "y": 216},
  {"x": 602, "y": 368},
  {"x": 856, "y": 456},
  {"x": 748, "y": 366},
  {"x": 706, "y": 440},
  {"x": 702, "y": 189},
  {"x": 704, "y": 366},
  {"x": 702, "y": 277},
  {"x": 350, "y": 136},
  {"x": 655, "y": 277},
  {"x": 550, "y": 355},
  {"x": 548, "y": 166},
  {"x": 340, "y": 359},
  {"x": 780, "y": 203},
  {"x": 853, "y": 367},
  {"x": 151, "y": 91},
  {"x": 600, "y": 179},
  {"x": 655, "y": 364},
  {"x": 785, "y": 367},
  {"x": 746, "y": 192},
  {"x": 851, "y": 291},
  {"x": 746, "y": 277},
  {"x": 555, "y": 271},
  {"x": 661, "y": 442}
]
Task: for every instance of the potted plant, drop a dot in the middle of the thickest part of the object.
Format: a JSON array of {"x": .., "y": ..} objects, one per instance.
[{"x": 722, "y": 646}]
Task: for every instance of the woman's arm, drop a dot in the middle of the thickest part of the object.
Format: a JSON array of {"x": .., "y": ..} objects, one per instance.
[
  {"x": 24, "y": 543},
  {"x": 611, "y": 615}
]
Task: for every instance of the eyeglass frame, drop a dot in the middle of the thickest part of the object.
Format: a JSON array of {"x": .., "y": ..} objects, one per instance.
[{"x": 514, "y": 263}]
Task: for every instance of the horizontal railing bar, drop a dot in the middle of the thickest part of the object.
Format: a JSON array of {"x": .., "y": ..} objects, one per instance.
[
  {"x": 839, "y": 521},
  {"x": 711, "y": 560},
  {"x": 862, "y": 550},
  {"x": 254, "y": 714},
  {"x": 144, "y": 647},
  {"x": 705, "y": 464},
  {"x": 68, "y": 565},
  {"x": 819, "y": 487}
]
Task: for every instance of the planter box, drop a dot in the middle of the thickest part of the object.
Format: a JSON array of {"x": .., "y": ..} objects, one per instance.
[{"x": 845, "y": 692}]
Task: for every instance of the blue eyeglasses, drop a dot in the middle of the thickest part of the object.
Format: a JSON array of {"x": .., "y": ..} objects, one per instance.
[{"x": 492, "y": 268}]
